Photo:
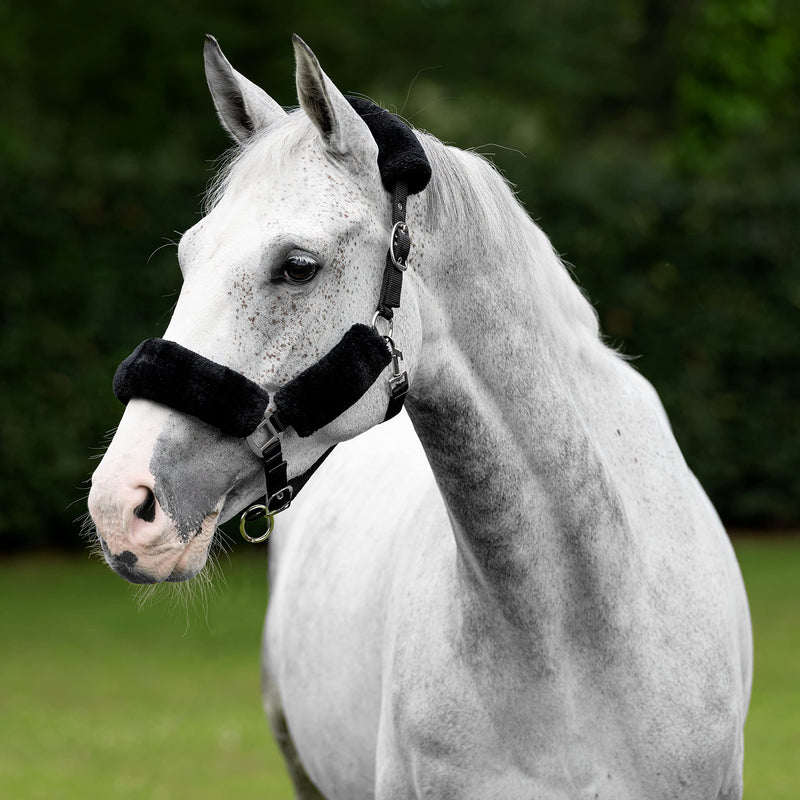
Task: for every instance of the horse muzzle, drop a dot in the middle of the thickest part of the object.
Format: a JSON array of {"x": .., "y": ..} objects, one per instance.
[
  {"x": 144, "y": 536},
  {"x": 140, "y": 542}
]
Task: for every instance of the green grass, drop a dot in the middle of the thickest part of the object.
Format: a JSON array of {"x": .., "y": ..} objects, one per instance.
[
  {"x": 771, "y": 569},
  {"x": 99, "y": 699}
]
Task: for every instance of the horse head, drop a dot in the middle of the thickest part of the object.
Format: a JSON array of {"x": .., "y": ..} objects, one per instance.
[{"x": 288, "y": 258}]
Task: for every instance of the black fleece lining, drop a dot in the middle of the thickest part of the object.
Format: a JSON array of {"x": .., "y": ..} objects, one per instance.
[
  {"x": 167, "y": 373},
  {"x": 337, "y": 381},
  {"x": 400, "y": 155}
]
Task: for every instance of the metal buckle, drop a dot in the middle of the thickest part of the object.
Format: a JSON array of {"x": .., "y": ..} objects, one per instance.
[
  {"x": 279, "y": 495},
  {"x": 399, "y": 229},
  {"x": 269, "y": 427},
  {"x": 398, "y": 384}
]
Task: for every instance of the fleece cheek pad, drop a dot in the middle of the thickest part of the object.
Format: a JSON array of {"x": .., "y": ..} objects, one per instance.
[
  {"x": 168, "y": 373},
  {"x": 337, "y": 381}
]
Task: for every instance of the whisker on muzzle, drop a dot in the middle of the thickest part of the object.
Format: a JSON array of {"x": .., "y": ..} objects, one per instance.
[{"x": 195, "y": 595}]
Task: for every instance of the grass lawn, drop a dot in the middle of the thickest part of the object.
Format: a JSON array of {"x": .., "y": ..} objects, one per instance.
[
  {"x": 99, "y": 699},
  {"x": 771, "y": 568}
]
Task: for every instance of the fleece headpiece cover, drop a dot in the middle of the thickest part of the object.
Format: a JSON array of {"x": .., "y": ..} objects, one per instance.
[{"x": 400, "y": 155}]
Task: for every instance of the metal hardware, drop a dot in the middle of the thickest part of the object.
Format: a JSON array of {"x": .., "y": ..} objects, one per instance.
[
  {"x": 399, "y": 384},
  {"x": 265, "y": 442},
  {"x": 399, "y": 229},
  {"x": 398, "y": 380},
  {"x": 283, "y": 496},
  {"x": 270, "y": 427},
  {"x": 253, "y": 513},
  {"x": 397, "y": 357},
  {"x": 388, "y": 335}
]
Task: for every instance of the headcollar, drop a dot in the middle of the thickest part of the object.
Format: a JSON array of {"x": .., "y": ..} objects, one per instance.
[{"x": 168, "y": 373}]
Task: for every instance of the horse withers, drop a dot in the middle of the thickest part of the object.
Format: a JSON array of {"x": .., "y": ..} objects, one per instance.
[{"x": 517, "y": 590}]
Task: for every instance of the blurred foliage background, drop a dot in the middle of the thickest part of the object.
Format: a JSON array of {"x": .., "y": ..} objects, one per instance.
[{"x": 655, "y": 141}]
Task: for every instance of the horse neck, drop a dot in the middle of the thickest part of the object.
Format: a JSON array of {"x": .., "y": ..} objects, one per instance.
[{"x": 506, "y": 408}]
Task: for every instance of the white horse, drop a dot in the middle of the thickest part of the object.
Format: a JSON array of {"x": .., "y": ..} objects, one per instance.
[{"x": 552, "y": 608}]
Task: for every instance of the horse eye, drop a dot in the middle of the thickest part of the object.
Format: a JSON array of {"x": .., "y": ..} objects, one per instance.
[{"x": 299, "y": 268}]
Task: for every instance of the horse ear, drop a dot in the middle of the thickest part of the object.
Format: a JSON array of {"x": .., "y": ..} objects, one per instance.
[
  {"x": 243, "y": 108},
  {"x": 344, "y": 132}
]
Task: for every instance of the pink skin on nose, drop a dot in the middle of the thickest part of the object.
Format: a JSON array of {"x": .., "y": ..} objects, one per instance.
[{"x": 141, "y": 541}]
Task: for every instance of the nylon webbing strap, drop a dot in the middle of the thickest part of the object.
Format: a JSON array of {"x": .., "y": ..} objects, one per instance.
[
  {"x": 396, "y": 401},
  {"x": 279, "y": 492},
  {"x": 396, "y": 255},
  {"x": 391, "y": 289},
  {"x": 300, "y": 481}
]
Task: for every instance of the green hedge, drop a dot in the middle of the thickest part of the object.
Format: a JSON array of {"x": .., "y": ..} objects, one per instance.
[{"x": 661, "y": 156}]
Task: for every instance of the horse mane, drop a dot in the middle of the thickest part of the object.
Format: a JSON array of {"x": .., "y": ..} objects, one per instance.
[{"x": 466, "y": 187}]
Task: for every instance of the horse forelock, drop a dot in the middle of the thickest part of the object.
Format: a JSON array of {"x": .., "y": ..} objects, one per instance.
[{"x": 263, "y": 155}]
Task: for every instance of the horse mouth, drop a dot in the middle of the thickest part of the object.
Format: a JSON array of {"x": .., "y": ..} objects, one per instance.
[
  {"x": 164, "y": 565},
  {"x": 126, "y": 565}
]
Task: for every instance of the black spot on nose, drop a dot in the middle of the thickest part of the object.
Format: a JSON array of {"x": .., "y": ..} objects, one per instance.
[
  {"x": 146, "y": 511},
  {"x": 124, "y": 565}
]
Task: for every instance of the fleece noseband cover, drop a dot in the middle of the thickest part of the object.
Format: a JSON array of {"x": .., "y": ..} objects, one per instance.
[{"x": 167, "y": 373}]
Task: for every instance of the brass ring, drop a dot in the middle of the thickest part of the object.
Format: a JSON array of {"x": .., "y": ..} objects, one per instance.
[{"x": 249, "y": 516}]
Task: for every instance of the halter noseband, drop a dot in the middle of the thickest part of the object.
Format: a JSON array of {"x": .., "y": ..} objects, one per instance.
[{"x": 167, "y": 373}]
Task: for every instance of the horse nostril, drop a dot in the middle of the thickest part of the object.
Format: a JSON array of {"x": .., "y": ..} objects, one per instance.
[{"x": 146, "y": 511}]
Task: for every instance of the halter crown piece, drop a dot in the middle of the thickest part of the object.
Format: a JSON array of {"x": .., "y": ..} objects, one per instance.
[{"x": 167, "y": 373}]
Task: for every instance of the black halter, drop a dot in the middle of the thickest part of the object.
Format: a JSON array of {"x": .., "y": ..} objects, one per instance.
[{"x": 167, "y": 373}]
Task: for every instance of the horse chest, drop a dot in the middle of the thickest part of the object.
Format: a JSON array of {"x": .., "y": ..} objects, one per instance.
[
  {"x": 393, "y": 682},
  {"x": 390, "y": 687}
]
